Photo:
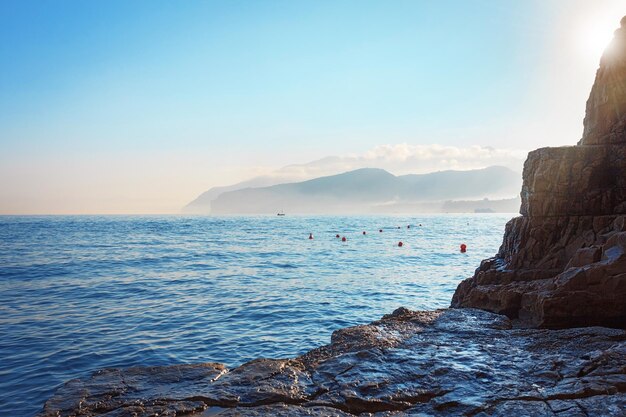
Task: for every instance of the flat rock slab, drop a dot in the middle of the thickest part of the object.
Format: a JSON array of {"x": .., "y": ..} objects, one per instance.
[{"x": 455, "y": 362}]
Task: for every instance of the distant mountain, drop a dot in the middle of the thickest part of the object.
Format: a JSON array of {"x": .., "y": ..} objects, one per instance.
[
  {"x": 202, "y": 204},
  {"x": 401, "y": 158},
  {"x": 366, "y": 190},
  {"x": 329, "y": 165}
]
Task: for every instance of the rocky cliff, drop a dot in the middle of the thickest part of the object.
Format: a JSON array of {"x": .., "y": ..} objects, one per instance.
[{"x": 563, "y": 262}]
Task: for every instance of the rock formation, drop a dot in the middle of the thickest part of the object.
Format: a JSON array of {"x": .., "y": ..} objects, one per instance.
[
  {"x": 456, "y": 362},
  {"x": 563, "y": 262}
]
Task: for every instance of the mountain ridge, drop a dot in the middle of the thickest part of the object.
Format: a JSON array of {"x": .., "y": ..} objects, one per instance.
[{"x": 364, "y": 190}]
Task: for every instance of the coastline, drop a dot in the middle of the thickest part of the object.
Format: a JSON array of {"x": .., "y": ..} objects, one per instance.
[{"x": 562, "y": 265}]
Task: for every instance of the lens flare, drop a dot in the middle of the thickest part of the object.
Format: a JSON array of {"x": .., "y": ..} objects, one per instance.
[{"x": 597, "y": 34}]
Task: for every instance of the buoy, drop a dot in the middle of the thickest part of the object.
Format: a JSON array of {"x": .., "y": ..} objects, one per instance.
[
  {"x": 408, "y": 226},
  {"x": 398, "y": 227},
  {"x": 400, "y": 244},
  {"x": 343, "y": 239},
  {"x": 364, "y": 232},
  {"x": 380, "y": 230},
  {"x": 463, "y": 247},
  {"x": 310, "y": 235},
  {"x": 337, "y": 236},
  {"x": 420, "y": 224}
]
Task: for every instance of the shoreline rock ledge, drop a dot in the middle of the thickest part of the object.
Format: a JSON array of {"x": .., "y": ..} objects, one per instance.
[{"x": 516, "y": 348}]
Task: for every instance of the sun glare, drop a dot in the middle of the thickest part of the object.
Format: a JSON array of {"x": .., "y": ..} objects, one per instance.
[{"x": 597, "y": 35}]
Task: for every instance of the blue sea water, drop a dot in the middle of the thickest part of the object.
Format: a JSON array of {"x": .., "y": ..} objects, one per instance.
[{"x": 78, "y": 293}]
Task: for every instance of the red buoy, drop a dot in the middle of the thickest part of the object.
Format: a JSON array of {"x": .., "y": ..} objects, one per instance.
[
  {"x": 343, "y": 239},
  {"x": 400, "y": 244},
  {"x": 337, "y": 236},
  {"x": 380, "y": 230},
  {"x": 310, "y": 235},
  {"x": 364, "y": 232},
  {"x": 463, "y": 248}
]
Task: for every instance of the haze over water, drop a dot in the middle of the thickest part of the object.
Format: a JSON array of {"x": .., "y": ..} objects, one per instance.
[{"x": 79, "y": 293}]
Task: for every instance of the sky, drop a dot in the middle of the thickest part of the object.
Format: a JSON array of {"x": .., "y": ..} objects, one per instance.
[{"x": 138, "y": 107}]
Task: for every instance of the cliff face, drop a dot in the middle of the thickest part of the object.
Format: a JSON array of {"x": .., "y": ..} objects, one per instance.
[
  {"x": 605, "y": 120},
  {"x": 563, "y": 262}
]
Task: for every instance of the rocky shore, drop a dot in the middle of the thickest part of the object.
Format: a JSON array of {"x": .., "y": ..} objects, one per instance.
[
  {"x": 455, "y": 362},
  {"x": 514, "y": 346}
]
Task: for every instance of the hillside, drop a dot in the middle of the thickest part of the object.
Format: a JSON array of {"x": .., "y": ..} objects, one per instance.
[{"x": 369, "y": 190}]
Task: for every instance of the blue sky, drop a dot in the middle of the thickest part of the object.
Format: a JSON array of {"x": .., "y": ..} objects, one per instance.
[{"x": 152, "y": 102}]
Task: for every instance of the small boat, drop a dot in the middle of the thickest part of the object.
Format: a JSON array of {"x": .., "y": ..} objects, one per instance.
[{"x": 280, "y": 214}]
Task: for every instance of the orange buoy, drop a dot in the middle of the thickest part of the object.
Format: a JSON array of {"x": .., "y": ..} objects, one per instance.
[
  {"x": 364, "y": 232},
  {"x": 337, "y": 236},
  {"x": 310, "y": 235},
  {"x": 343, "y": 239},
  {"x": 400, "y": 244},
  {"x": 380, "y": 230},
  {"x": 463, "y": 248}
]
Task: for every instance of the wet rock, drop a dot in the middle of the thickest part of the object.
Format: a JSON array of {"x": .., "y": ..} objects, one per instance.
[
  {"x": 456, "y": 362},
  {"x": 135, "y": 390},
  {"x": 561, "y": 263},
  {"x": 280, "y": 410}
]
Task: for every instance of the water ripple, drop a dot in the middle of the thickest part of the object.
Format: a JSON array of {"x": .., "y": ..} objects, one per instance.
[{"x": 79, "y": 293}]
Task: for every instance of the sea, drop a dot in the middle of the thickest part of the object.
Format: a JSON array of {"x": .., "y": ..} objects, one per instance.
[{"x": 80, "y": 293}]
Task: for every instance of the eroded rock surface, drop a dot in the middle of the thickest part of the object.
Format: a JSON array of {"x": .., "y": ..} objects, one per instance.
[
  {"x": 456, "y": 362},
  {"x": 561, "y": 263}
]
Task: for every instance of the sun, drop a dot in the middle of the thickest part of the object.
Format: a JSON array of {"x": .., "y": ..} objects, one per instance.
[{"x": 596, "y": 34}]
